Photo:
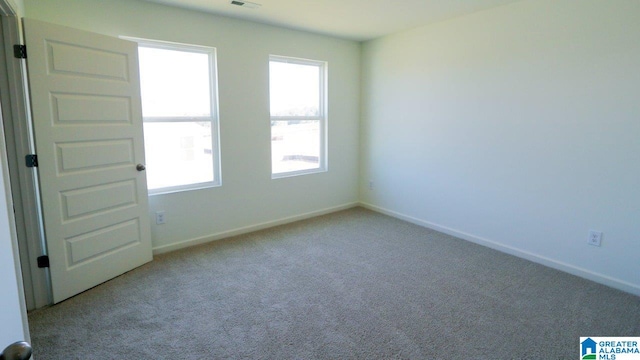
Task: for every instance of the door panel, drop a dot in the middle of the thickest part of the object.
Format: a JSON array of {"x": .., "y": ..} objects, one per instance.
[{"x": 85, "y": 99}]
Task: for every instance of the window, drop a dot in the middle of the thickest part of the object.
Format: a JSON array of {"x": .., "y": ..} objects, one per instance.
[
  {"x": 179, "y": 110},
  {"x": 298, "y": 116}
]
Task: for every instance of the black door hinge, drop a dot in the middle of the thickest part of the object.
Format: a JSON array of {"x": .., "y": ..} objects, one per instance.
[
  {"x": 31, "y": 160},
  {"x": 20, "y": 51},
  {"x": 43, "y": 261}
]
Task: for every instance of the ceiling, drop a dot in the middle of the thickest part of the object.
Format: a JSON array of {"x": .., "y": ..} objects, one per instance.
[{"x": 350, "y": 19}]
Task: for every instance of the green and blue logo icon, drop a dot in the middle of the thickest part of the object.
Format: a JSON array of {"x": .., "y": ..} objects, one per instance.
[
  {"x": 588, "y": 349},
  {"x": 610, "y": 348}
]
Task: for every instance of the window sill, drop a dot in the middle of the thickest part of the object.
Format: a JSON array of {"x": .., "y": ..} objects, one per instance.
[
  {"x": 179, "y": 189},
  {"x": 297, "y": 173}
]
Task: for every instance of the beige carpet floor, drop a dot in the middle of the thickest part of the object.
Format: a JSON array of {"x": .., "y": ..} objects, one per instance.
[{"x": 349, "y": 285}]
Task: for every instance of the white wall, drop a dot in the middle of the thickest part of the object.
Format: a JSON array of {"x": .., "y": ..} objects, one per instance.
[
  {"x": 12, "y": 308},
  {"x": 13, "y": 321},
  {"x": 248, "y": 198},
  {"x": 516, "y": 127}
]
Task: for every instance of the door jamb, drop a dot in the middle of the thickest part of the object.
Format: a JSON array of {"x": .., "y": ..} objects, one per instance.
[
  {"x": 7, "y": 13},
  {"x": 24, "y": 181}
]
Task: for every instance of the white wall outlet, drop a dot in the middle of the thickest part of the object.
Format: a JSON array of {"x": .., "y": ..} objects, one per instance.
[
  {"x": 160, "y": 219},
  {"x": 595, "y": 238},
  {"x": 370, "y": 184}
]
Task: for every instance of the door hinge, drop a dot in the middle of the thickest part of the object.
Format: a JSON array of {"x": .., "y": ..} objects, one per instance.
[
  {"x": 31, "y": 160},
  {"x": 20, "y": 51},
  {"x": 43, "y": 261}
]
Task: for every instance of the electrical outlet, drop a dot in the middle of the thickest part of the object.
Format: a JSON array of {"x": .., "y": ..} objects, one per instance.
[
  {"x": 370, "y": 184},
  {"x": 595, "y": 238},
  {"x": 160, "y": 219}
]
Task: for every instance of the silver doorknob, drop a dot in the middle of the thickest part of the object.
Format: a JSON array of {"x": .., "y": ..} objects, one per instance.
[
  {"x": 20, "y": 350},
  {"x": 140, "y": 167}
]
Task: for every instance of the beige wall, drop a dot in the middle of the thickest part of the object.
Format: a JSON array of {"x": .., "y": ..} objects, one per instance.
[
  {"x": 517, "y": 128},
  {"x": 248, "y": 198}
]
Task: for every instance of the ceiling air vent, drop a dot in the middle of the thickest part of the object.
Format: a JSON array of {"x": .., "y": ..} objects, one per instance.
[{"x": 245, "y": 4}]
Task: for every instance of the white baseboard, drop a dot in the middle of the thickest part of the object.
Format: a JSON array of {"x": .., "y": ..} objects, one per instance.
[
  {"x": 247, "y": 229},
  {"x": 552, "y": 263}
]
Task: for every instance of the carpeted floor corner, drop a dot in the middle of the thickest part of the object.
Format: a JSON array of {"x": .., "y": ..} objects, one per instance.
[{"x": 349, "y": 285}]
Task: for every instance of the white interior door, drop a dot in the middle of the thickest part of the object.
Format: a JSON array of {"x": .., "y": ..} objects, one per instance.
[{"x": 85, "y": 99}]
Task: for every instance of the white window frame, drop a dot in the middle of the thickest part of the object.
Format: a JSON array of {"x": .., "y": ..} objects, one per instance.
[
  {"x": 214, "y": 118},
  {"x": 322, "y": 115}
]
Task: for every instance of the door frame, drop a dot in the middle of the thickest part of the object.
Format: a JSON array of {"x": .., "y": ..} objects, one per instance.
[
  {"x": 10, "y": 26},
  {"x": 24, "y": 182}
]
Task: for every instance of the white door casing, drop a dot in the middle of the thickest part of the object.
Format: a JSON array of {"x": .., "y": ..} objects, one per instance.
[
  {"x": 13, "y": 315},
  {"x": 12, "y": 310},
  {"x": 86, "y": 110}
]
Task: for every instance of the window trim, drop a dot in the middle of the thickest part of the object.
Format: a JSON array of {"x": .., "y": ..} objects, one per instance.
[
  {"x": 214, "y": 118},
  {"x": 323, "y": 163}
]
